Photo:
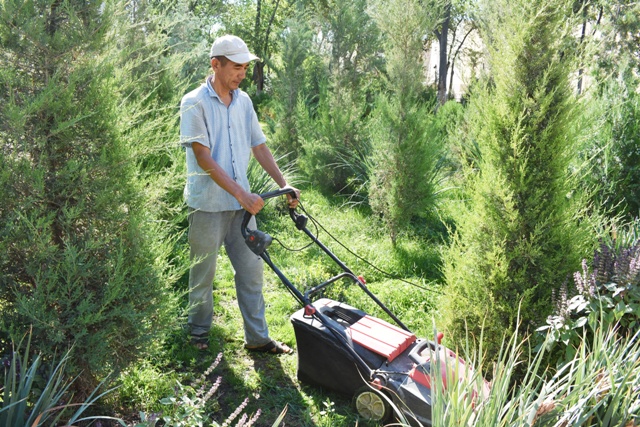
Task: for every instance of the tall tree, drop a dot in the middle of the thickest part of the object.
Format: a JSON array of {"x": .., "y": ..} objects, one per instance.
[
  {"x": 82, "y": 261},
  {"x": 262, "y": 35},
  {"x": 353, "y": 40},
  {"x": 521, "y": 230},
  {"x": 456, "y": 18},
  {"x": 406, "y": 147}
]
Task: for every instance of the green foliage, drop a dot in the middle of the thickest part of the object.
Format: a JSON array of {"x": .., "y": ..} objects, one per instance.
[
  {"x": 33, "y": 395},
  {"x": 597, "y": 387},
  {"x": 323, "y": 93},
  {"x": 521, "y": 229},
  {"x": 257, "y": 23},
  {"x": 612, "y": 146},
  {"x": 403, "y": 25},
  {"x": 608, "y": 78},
  {"x": 607, "y": 296},
  {"x": 617, "y": 40},
  {"x": 406, "y": 160},
  {"x": 142, "y": 385},
  {"x": 406, "y": 164},
  {"x": 83, "y": 259},
  {"x": 353, "y": 39},
  {"x": 335, "y": 146},
  {"x": 295, "y": 90}
]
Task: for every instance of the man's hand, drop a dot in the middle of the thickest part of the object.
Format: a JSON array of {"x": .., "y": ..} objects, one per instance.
[
  {"x": 251, "y": 202},
  {"x": 293, "y": 201}
]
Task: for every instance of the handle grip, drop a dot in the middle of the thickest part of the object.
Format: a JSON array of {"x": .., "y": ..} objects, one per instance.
[
  {"x": 276, "y": 193},
  {"x": 265, "y": 196}
]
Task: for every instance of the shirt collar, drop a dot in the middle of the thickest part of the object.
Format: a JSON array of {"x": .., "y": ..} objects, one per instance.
[{"x": 213, "y": 93}]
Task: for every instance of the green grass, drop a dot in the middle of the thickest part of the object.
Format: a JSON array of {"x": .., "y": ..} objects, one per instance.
[
  {"x": 543, "y": 398},
  {"x": 270, "y": 382},
  {"x": 599, "y": 386}
]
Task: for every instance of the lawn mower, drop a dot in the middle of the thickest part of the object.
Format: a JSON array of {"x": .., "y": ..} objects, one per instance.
[{"x": 382, "y": 366}]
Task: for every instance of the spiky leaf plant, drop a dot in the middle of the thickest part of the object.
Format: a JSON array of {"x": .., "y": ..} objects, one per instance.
[{"x": 33, "y": 394}]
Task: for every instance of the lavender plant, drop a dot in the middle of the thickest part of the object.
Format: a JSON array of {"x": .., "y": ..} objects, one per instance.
[
  {"x": 191, "y": 406},
  {"x": 605, "y": 294}
]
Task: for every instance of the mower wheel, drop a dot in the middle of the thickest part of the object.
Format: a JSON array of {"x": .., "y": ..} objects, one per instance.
[{"x": 372, "y": 404}]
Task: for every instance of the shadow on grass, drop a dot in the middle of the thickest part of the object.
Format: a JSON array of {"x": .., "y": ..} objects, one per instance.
[
  {"x": 270, "y": 384},
  {"x": 264, "y": 379}
]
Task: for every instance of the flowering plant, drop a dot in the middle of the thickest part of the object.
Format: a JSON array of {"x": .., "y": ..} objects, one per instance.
[{"x": 606, "y": 295}]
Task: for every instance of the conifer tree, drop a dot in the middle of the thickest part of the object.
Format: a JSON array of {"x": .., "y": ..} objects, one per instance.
[
  {"x": 82, "y": 260},
  {"x": 406, "y": 146},
  {"x": 521, "y": 231},
  {"x": 289, "y": 87},
  {"x": 334, "y": 94}
]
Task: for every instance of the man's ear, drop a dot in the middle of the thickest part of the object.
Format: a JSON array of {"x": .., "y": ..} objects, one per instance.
[{"x": 215, "y": 63}]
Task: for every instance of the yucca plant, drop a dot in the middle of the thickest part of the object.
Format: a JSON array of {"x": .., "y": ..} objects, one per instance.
[
  {"x": 24, "y": 404},
  {"x": 600, "y": 386}
]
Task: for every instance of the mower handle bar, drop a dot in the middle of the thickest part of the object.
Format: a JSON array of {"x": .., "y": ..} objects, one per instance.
[
  {"x": 300, "y": 222},
  {"x": 266, "y": 196}
]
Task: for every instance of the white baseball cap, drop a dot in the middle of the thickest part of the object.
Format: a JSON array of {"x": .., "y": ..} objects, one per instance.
[{"x": 233, "y": 48}]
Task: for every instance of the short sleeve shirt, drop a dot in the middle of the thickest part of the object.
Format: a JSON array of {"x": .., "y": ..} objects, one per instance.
[{"x": 229, "y": 133}]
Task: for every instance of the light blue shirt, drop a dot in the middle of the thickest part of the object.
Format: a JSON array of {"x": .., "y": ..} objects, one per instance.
[{"x": 229, "y": 133}]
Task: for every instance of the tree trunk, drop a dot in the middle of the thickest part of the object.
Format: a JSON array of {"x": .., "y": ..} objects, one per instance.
[
  {"x": 443, "y": 68},
  {"x": 455, "y": 55},
  {"x": 262, "y": 46},
  {"x": 258, "y": 76}
]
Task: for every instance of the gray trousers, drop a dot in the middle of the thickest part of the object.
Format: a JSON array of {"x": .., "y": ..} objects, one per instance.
[{"x": 208, "y": 231}]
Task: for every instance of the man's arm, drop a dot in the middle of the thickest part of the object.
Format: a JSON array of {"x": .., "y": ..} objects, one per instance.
[
  {"x": 265, "y": 158},
  {"x": 250, "y": 202}
]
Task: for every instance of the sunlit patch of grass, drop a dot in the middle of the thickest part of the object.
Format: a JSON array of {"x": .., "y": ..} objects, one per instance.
[{"x": 144, "y": 385}]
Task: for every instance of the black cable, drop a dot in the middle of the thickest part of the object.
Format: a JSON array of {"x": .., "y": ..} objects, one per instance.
[
  {"x": 296, "y": 250},
  {"x": 389, "y": 275}
]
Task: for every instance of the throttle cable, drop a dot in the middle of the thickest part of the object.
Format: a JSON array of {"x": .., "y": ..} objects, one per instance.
[{"x": 318, "y": 226}]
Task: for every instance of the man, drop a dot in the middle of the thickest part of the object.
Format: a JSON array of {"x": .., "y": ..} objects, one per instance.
[{"x": 220, "y": 130}]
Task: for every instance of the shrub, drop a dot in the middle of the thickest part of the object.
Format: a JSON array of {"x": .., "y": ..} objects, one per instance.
[
  {"x": 84, "y": 260},
  {"x": 407, "y": 147},
  {"x": 521, "y": 225},
  {"x": 406, "y": 164},
  {"x": 606, "y": 295},
  {"x": 335, "y": 144}
]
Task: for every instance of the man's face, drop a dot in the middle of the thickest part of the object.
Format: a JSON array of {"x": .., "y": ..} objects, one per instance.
[{"x": 230, "y": 74}]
